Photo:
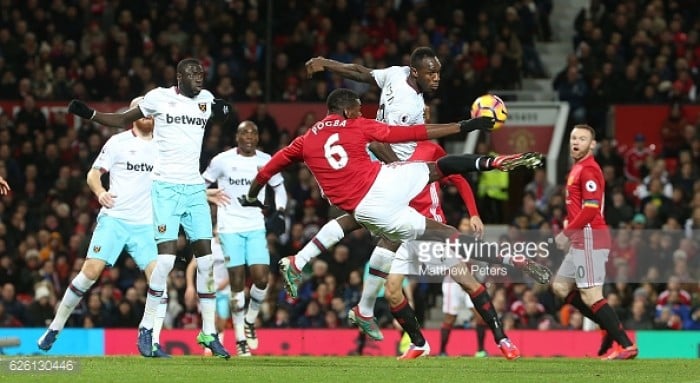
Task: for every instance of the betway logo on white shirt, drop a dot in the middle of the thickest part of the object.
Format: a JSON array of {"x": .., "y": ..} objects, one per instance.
[
  {"x": 188, "y": 120},
  {"x": 129, "y": 160},
  {"x": 234, "y": 173},
  {"x": 178, "y": 133}
]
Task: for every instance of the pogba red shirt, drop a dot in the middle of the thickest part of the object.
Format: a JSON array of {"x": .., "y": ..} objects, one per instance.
[
  {"x": 584, "y": 206},
  {"x": 334, "y": 150},
  {"x": 427, "y": 202}
]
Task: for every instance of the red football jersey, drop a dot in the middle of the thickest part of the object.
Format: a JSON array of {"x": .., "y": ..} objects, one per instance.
[
  {"x": 335, "y": 151},
  {"x": 428, "y": 201},
  {"x": 585, "y": 188}
]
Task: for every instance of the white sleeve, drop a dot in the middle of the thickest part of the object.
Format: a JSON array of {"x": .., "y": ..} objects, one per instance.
[
  {"x": 380, "y": 76},
  {"x": 105, "y": 159},
  {"x": 280, "y": 196},
  {"x": 211, "y": 173},
  {"x": 149, "y": 104}
]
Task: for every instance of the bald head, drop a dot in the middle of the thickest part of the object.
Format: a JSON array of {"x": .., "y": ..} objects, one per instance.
[{"x": 247, "y": 138}]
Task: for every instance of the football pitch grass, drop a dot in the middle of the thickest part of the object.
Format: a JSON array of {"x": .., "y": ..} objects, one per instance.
[{"x": 195, "y": 369}]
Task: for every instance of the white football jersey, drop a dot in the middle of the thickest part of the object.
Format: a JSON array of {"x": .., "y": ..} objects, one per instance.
[
  {"x": 129, "y": 161},
  {"x": 178, "y": 132},
  {"x": 234, "y": 173},
  {"x": 399, "y": 104}
]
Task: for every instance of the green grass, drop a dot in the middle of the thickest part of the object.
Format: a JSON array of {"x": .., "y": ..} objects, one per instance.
[{"x": 194, "y": 369}]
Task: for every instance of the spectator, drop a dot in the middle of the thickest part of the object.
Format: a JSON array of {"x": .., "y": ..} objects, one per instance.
[
  {"x": 40, "y": 312},
  {"x": 312, "y": 316},
  {"x": 636, "y": 157},
  {"x": 574, "y": 91},
  {"x": 672, "y": 131},
  {"x": 281, "y": 319},
  {"x": 6, "y": 319},
  {"x": 541, "y": 189},
  {"x": 12, "y": 306},
  {"x": 639, "y": 319}
]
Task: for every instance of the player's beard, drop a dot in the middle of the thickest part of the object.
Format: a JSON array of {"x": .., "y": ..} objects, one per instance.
[{"x": 144, "y": 127}]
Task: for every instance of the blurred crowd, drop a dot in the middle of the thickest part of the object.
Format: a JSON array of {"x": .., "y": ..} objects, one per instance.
[
  {"x": 113, "y": 51},
  {"x": 631, "y": 52}
]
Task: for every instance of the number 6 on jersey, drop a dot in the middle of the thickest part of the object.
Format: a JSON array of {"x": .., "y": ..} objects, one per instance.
[{"x": 335, "y": 154}]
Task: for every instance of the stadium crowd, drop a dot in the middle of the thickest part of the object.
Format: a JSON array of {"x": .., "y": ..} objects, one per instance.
[{"x": 113, "y": 51}]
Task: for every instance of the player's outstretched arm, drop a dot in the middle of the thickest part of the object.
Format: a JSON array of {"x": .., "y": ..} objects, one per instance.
[
  {"x": 378, "y": 131},
  {"x": 290, "y": 154},
  {"x": 354, "y": 72},
  {"x": 116, "y": 120}
]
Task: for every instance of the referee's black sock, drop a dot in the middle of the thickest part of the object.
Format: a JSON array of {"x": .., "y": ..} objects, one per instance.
[
  {"x": 403, "y": 313},
  {"x": 482, "y": 304},
  {"x": 610, "y": 322}
]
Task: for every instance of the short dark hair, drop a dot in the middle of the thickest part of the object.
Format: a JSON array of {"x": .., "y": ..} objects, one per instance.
[
  {"x": 586, "y": 127},
  {"x": 185, "y": 62},
  {"x": 419, "y": 54},
  {"x": 341, "y": 98}
]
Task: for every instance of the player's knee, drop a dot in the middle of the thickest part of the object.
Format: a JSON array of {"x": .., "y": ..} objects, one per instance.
[
  {"x": 167, "y": 247},
  {"x": 561, "y": 289},
  {"x": 92, "y": 268},
  {"x": 591, "y": 295},
  {"x": 149, "y": 270},
  {"x": 260, "y": 281},
  {"x": 201, "y": 247},
  {"x": 347, "y": 223},
  {"x": 393, "y": 291}
]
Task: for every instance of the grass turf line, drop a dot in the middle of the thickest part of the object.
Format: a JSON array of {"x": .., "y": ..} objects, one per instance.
[{"x": 195, "y": 369}]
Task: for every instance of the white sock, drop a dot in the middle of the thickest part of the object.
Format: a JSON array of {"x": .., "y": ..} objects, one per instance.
[
  {"x": 207, "y": 293},
  {"x": 237, "y": 305},
  {"x": 156, "y": 289},
  {"x": 379, "y": 263},
  {"x": 257, "y": 297},
  {"x": 507, "y": 260},
  {"x": 160, "y": 317},
  {"x": 74, "y": 293},
  {"x": 330, "y": 234}
]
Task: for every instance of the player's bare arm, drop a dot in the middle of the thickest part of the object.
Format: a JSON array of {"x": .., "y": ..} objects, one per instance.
[
  {"x": 383, "y": 152},
  {"x": 94, "y": 181},
  {"x": 116, "y": 120},
  {"x": 353, "y": 72}
]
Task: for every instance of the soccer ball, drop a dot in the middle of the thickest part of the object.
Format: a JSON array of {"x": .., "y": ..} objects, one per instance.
[{"x": 490, "y": 105}]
